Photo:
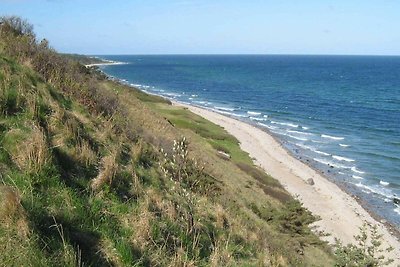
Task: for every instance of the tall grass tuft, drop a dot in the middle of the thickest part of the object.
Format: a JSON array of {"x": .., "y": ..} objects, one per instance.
[
  {"x": 12, "y": 214},
  {"x": 109, "y": 167},
  {"x": 33, "y": 153}
]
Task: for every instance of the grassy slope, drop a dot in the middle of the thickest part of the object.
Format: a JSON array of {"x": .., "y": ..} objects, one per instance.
[{"x": 77, "y": 188}]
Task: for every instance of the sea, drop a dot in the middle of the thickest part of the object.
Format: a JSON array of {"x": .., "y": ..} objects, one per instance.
[{"x": 339, "y": 114}]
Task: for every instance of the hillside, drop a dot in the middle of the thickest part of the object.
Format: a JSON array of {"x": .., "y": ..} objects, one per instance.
[{"x": 95, "y": 173}]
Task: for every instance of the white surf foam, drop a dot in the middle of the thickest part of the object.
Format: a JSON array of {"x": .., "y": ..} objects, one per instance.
[
  {"x": 332, "y": 137},
  {"x": 224, "y": 108},
  {"x": 298, "y": 132},
  {"x": 329, "y": 163},
  {"x": 342, "y": 158},
  {"x": 295, "y": 137},
  {"x": 305, "y": 146},
  {"x": 383, "y": 183},
  {"x": 267, "y": 126},
  {"x": 354, "y": 169},
  {"x": 357, "y": 177},
  {"x": 321, "y": 152},
  {"x": 172, "y": 94},
  {"x": 397, "y": 210},
  {"x": 285, "y": 124},
  {"x": 385, "y": 193},
  {"x": 239, "y": 115},
  {"x": 256, "y": 119},
  {"x": 344, "y": 145},
  {"x": 254, "y": 113}
]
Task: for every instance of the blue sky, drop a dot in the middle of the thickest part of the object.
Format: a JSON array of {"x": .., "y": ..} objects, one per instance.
[{"x": 214, "y": 26}]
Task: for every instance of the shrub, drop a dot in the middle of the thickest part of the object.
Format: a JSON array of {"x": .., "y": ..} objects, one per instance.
[{"x": 367, "y": 252}]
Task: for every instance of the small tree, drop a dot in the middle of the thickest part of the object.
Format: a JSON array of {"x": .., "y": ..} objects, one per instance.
[
  {"x": 16, "y": 25},
  {"x": 367, "y": 252}
]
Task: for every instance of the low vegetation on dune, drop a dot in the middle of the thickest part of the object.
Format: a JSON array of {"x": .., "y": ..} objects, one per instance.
[{"x": 95, "y": 173}]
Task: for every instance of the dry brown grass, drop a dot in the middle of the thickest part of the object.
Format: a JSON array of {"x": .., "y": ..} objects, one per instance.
[
  {"x": 33, "y": 153},
  {"x": 221, "y": 217},
  {"x": 141, "y": 225},
  {"x": 109, "y": 167},
  {"x": 110, "y": 253},
  {"x": 180, "y": 259},
  {"x": 85, "y": 154},
  {"x": 12, "y": 214},
  {"x": 221, "y": 256}
]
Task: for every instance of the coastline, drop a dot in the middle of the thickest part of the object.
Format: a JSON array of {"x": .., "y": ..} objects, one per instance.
[
  {"x": 106, "y": 63},
  {"x": 340, "y": 214}
]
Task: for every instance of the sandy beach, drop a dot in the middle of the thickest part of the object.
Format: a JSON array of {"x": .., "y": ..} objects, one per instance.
[{"x": 341, "y": 215}]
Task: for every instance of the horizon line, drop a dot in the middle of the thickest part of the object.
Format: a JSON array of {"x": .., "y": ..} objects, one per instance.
[{"x": 232, "y": 54}]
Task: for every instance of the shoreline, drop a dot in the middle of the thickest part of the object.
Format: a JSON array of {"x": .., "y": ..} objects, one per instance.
[
  {"x": 344, "y": 212},
  {"x": 107, "y": 63},
  {"x": 340, "y": 213},
  {"x": 393, "y": 230}
]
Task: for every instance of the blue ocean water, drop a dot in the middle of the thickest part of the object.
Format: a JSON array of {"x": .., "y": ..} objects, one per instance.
[{"x": 340, "y": 114}]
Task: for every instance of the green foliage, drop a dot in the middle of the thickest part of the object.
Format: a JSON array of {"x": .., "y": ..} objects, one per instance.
[{"x": 367, "y": 252}]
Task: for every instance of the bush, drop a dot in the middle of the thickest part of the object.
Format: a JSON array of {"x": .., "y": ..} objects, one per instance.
[{"x": 367, "y": 252}]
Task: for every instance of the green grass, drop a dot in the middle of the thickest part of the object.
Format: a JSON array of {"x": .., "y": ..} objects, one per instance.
[{"x": 215, "y": 135}]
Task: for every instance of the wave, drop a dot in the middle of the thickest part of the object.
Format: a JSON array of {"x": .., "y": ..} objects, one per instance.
[
  {"x": 295, "y": 137},
  {"x": 342, "y": 158},
  {"x": 318, "y": 142},
  {"x": 354, "y": 169},
  {"x": 172, "y": 94},
  {"x": 194, "y": 95},
  {"x": 344, "y": 145},
  {"x": 265, "y": 116},
  {"x": 224, "y": 108},
  {"x": 385, "y": 193},
  {"x": 239, "y": 115},
  {"x": 321, "y": 152},
  {"x": 383, "y": 183},
  {"x": 305, "y": 146},
  {"x": 256, "y": 119},
  {"x": 223, "y": 112},
  {"x": 254, "y": 113},
  {"x": 267, "y": 126},
  {"x": 285, "y": 124},
  {"x": 305, "y": 128},
  {"x": 357, "y": 177},
  {"x": 329, "y": 163},
  {"x": 298, "y": 132},
  {"x": 397, "y": 210},
  {"x": 332, "y": 137}
]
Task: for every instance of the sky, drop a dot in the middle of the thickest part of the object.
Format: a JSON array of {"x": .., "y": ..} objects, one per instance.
[{"x": 97, "y": 27}]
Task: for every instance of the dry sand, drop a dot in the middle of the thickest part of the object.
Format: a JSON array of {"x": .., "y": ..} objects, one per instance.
[{"x": 341, "y": 215}]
